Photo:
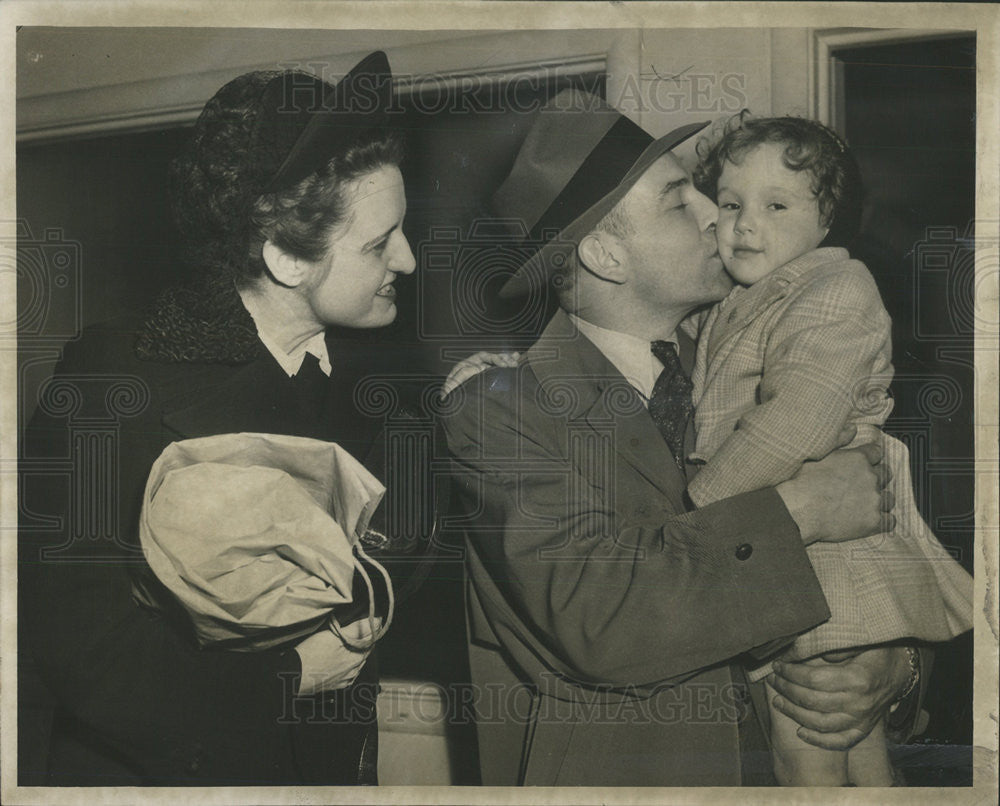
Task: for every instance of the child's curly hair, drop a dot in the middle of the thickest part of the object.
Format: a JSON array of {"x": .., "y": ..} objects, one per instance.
[
  {"x": 809, "y": 146},
  {"x": 222, "y": 217}
]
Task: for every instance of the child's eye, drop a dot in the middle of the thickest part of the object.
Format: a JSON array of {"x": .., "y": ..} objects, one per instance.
[
  {"x": 777, "y": 206},
  {"x": 729, "y": 206}
]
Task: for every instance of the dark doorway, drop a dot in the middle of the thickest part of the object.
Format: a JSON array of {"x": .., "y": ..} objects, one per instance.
[{"x": 909, "y": 113}]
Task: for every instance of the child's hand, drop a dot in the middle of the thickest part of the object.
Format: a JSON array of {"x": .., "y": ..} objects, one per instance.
[{"x": 473, "y": 365}]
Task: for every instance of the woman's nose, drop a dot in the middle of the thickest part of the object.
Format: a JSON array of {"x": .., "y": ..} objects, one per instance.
[{"x": 402, "y": 261}]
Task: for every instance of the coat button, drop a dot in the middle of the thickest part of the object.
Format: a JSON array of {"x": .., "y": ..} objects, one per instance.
[{"x": 743, "y": 551}]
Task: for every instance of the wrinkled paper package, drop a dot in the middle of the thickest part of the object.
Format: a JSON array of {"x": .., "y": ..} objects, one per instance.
[{"x": 254, "y": 533}]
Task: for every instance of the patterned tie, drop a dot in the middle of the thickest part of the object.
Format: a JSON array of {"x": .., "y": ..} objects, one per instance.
[{"x": 670, "y": 403}]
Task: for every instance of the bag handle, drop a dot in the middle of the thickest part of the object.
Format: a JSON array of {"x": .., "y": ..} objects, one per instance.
[{"x": 364, "y": 644}]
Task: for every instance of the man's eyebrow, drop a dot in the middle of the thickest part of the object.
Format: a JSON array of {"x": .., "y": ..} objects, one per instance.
[{"x": 670, "y": 187}]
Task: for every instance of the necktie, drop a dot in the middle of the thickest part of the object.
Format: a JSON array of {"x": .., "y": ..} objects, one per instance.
[{"x": 670, "y": 403}]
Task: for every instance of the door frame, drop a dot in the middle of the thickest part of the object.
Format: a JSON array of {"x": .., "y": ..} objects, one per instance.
[{"x": 826, "y": 71}]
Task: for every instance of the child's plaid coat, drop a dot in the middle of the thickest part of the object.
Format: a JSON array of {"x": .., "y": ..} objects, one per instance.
[{"x": 781, "y": 367}]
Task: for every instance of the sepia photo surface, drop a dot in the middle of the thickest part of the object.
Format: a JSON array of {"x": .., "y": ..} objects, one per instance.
[{"x": 476, "y": 697}]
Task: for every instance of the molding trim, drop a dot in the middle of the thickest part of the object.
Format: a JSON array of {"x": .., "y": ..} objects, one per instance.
[
  {"x": 126, "y": 108},
  {"x": 825, "y": 80},
  {"x": 504, "y": 74}
]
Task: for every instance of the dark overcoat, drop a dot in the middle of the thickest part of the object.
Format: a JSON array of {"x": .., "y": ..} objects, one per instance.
[{"x": 111, "y": 692}]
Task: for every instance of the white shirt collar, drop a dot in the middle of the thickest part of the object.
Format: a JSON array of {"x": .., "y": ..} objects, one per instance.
[
  {"x": 631, "y": 355},
  {"x": 291, "y": 363}
]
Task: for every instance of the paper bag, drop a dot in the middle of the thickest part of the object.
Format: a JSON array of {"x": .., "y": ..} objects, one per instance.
[{"x": 255, "y": 533}]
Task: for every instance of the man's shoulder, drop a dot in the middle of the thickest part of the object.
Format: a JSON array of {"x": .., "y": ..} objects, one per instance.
[
  {"x": 502, "y": 411},
  {"x": 494, "y": 390},
  {"x": 555, "y": 379}
]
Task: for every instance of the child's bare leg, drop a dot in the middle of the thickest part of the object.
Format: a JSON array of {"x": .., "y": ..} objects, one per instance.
[
  {"x": 868, "y": 761},
  {"x": 798, "y": 763}
]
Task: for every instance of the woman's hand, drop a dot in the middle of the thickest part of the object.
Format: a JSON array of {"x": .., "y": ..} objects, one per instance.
[{"x": 473, "y": 365}]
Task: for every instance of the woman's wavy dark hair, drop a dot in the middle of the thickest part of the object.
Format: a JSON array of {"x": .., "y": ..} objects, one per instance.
[
  {"x": 809, "y": 146},
  {"x": 223, "y": 221}
]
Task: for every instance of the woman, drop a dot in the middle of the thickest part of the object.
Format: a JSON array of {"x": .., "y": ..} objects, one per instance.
[{"x": 290, "y": 205}]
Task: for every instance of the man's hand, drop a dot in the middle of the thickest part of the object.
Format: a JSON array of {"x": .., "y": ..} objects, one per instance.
[
  {"x": 473, "y": 365},
  {"x": 837, "y": 704},
  {"x": 327, "y": 663},
  {"x": 842, "y": 496}
]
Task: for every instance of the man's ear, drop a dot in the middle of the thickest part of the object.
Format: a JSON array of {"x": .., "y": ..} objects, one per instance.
[
  {"x": 286, "y": 269},
  {"x": 600, "y": 253}
]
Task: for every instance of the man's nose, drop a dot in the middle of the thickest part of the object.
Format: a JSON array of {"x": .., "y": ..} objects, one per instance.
[
  {"x": 705, "y": 210},
  {"x": 401, "y": 260}
]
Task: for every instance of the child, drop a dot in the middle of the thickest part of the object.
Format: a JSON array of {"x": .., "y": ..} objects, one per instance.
[{"x": 799, "y": 348}]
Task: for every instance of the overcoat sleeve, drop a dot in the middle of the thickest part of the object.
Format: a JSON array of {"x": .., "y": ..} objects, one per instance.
[{"x": 598, "y": 596}]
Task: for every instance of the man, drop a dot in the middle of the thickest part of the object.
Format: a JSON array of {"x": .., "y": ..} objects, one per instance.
[
  {"x": 605, "y": 619},
  {"x": 290, "y": 203}
]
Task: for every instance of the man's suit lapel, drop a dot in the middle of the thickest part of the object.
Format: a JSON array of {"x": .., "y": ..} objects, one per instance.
[{"x": 565, "y": 360}]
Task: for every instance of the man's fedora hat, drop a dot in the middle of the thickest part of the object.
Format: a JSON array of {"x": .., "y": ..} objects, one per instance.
[{"x": 578, "y": 161}]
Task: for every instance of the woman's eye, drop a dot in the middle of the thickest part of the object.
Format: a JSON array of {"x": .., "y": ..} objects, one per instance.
[
  {"x": 729, "y": 206},
  {"x": 379, "y": 247}
]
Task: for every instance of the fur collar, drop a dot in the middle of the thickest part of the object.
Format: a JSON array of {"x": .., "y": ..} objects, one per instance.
[{"x": 203, "y": 322}]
